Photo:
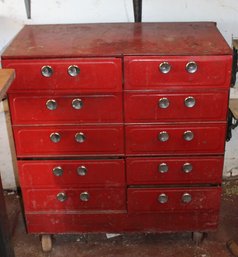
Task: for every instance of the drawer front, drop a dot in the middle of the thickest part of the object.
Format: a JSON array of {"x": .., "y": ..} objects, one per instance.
[
  {"x": 173, "y": 199},
  {"x": 192, "y": 106},
  {"x": 175, "y": 139},
  {"x": 90, "y": 173},
  {"x": 83, "y": 199},
  {"x": 43, "y": 141},
  {"x": 26, "y": 109},
  {"x": 155, "y": 72},
  {"x": 94, "y": 74},
  {"x": 142, "y": 171}
]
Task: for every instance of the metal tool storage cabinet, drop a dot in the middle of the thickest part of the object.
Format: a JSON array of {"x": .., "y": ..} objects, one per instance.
[{"x": 120, "y": 127}]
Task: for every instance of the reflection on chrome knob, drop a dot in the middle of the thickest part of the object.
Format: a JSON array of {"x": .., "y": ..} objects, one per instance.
[
  {"x": 165, "y": 67},
  {"x": 191, "y": 67},
  {"x": 84, "y": 196},
  {"x": 163, "y": 198},
  {"x": 164, "y": 103},
  {"x": 186, "y": 198},
  {"x": 188, "y": 135},
  {"x": 163, "y": 168},
  {"x": 51, "y": 104},
  {"x": 187, "y": 167},
  {"x": 47, "y": 71},
  {"x": 55, "y": 137},
  {"x": 77, "y": 104},
  {"x": 80, "y": 137},
  {"x": 61, "y": 196},
  {"x": 73, "y": 70},
  {"x": 58, "y": 171},
  {"x": 82, "y": 171},
  {"x": 189, "y": 102},
  {"x": 163, "y": 136}
]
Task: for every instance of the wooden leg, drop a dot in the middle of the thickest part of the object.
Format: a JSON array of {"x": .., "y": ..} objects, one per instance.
[
  {"x": 6, "y": 249},
  {"x": 46, "y": 243}
]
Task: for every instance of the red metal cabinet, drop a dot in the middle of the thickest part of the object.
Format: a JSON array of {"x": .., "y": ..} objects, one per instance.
[{"x": 120, "y": 132}]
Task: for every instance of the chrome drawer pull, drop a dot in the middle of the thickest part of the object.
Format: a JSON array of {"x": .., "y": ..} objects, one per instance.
[
  {"x": 164, "y": 103},
  {"x": 73, "y": 70},
  {"x": 84, "y": 196},
  {"x": 165, "y": 67},
  {"x": 163, "y": 168},
  {"x": 163, "y": 198},
  {"x": 163, "y": 136},
  {"x": 51, "y": 105},
  {"x": 188, "y": 135},
  {"x": 80, "y": 137},
  {"x": 191, "y": 67},
  {"x": 61, "y": 196},
  {"x": 55, "y": 137},
  {"x": 77, "y": 104},
  {"x": 186, "y": 198},
  {"x": 189, "y": 101},
  {"x": 187, "y": 167},
  {"x": 82, "y": 171},
  {"x": 58, "y": 171},
  {"x": 47, "y": 71}
]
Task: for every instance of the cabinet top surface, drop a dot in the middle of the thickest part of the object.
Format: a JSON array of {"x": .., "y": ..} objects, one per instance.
[{"x": 116, "y": 39}]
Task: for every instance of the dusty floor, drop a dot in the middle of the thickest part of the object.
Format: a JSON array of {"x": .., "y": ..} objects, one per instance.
[{"x": 138, "y": 245}]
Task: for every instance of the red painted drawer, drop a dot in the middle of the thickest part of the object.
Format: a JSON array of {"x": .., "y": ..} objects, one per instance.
[
  {"x": 82, "y": 199},
  {"x": 96, "y": 75},
  {"x": 173, "y": 199},
  {"x": 189, "y": 170},
  {"x": 57, "y": 173},
  {"x": 144, "y": 72},
  {"x": 192, "y": 106},
  {"x": 51, "y": 109},
  {"x": 33, "y": 141},
  {"x": 144, "y": 139}
]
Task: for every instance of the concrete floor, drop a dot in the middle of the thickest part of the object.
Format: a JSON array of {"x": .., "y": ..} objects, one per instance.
[{"x": 130, "y": 245}]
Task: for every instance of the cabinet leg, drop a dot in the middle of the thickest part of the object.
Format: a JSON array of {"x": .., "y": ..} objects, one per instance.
[
  {"x": 46, "y": 243},
  {"x": 197, "y": 237}
]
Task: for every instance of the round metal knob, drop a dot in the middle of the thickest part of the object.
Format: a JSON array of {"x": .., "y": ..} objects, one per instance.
[
  {"x": 77, "y": 104},
  {"x": 186, "y": 198},
  {"x": 58, "y": 171},
  {"x": 187, "y": 167},
  {"x": 188, "y": 135},
  {"x": 82, "y": 171},
  {"x": 163, "y": 198},
  {"x": 191, "y": 67},
  {"x": 80, "y": 137},
  {"x": 55, "y": 137},
  {"x": 73, "y": 70},
  {"x": 163, "y": 136},
  {"x": 165, "y": 67},
  {"x": 84, "y": 196},
  {"x": 47, "y": 71},
  {"x": 164, "y": 103},
  {"x": 163, "y": 168},
  {"x": 190, "y": 101},
  {"x": 51, "y": 104},
  {"x": 61, "y": 196}
]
